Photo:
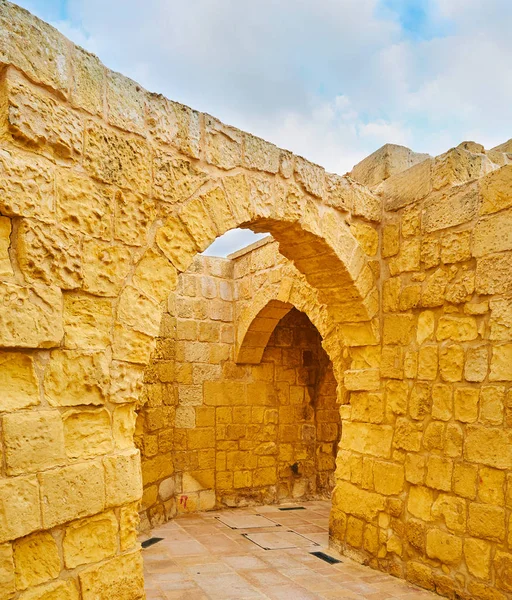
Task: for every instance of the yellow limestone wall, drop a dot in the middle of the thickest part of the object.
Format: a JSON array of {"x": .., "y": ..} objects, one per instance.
[
  {"x": 107, "y": 192},
  {"x": 216, "y": 433}
]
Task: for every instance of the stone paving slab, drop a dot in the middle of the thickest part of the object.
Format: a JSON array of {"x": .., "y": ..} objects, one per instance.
[{"x": 201, "y": 558}]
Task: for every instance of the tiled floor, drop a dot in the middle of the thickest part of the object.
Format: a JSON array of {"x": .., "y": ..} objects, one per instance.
[{"x": 203, "y": 558}]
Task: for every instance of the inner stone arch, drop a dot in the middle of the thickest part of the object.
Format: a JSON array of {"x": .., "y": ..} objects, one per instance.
[{"x": 214, "y": 432}]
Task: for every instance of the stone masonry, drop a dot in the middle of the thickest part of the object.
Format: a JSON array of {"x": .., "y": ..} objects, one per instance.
[{"x": 403, "y": 267}]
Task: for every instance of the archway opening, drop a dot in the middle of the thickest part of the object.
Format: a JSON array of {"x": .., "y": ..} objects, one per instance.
[{"x": 217, "y": 430}]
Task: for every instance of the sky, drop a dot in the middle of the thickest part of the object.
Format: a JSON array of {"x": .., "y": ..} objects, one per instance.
[{"x": 331, "y": 80}]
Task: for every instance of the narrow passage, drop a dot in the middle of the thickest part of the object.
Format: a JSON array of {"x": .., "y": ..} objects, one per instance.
[{"x": 260, "y": 552}]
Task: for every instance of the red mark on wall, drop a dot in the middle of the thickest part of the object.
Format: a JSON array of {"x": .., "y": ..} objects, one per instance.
[{"x": 183, "y": 501}]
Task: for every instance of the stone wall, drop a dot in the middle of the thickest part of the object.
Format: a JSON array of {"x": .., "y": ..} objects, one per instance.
[
  {"x": 107, "y": 193},
  {"x": 214, "y": 432}
]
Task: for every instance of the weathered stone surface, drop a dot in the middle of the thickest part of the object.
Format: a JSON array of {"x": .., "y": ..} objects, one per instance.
[
  {"x": 23, "y": 36},
  {"x": 125, "y": 103},
  {"x": 494, "y": 274},
  {"x": 36, "y": 560},
  {"x": 407, "y": 187},
  {"x": 443, "y": 546},
  {"x": 20, "y": 387},
  {"x": 495, "y": 190},
  {"x": 501, "y": 319},
  {"x": 139, "y": 312},
  {"x": 119, "y": 578},
  {"x": 57, "y": 590},
  {"x": 73, "y": 378},
  {"x": 31, "y": 316},
  {"x": 105, "y": 267},
  {"x": 72, "y": 492},
  {"x": 87, "y": 321},
  {"x": 6, "y": 271},
  {"x": 260, "y": 155},
  {"x": 493, "y": 234},
  {"x": 486, "y": 521},
  {"x": 87, "y": 433},
  {"x": 155, "y": 276},
  {"x": 87, "y": 89},
  {"x": 131, "y": 346},
  {"x": 223, "y": 144},
  {"x": 7, "y": 581},
  {"x": 49, "y": 254},
  {"x": 173, "y": 124},
  {"x": 84, "y": 205},
  {"x": 123, "y": 478},
  {"x": 126, "y": 382},
  {"x": 354, "y": 501},
  {"x": 39, "y": 121},
  {"x": 128, "y": 526},
  {"x": 477, "y": 554},
  {"x": 447, "y": 209},
  {"x": 388, "y": 160},
  {"x": 489, "y": 446},
  {"x": 176, "y": 179},
  {"x": 115, "y": 158},
  {"x": 367, "y": 439},
  {"x": 34, "y": 441},
  {"x": 133, "y": 216},
  {"x": 176, "y": 244},
  {"x": 90, "y": 540},
  {"x": 501, "y": 363},
  {"x": 19, "y": 507}
]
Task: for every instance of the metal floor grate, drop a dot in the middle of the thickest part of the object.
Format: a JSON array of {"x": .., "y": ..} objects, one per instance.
[
  {"x": 328, "y": 559},
  {"x": 151, "y": 541},
  {"x": 292, "y": 508}
]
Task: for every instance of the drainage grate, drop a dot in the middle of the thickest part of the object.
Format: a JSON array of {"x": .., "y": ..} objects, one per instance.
[
  {"x": 150, "y": 542},
  {"x": 328, "y": 559},
  {"x": 293, "y": 508}
]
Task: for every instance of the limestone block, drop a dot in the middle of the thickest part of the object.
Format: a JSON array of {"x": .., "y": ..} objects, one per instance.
[
  {"x": 90, "y": 540},
  {"x": 88, "y": 83},
  {"x": 260, "y": 155},
  {"x": 105, "y": 267},
  {"x": 426, "y": 325},
  {"x": 490, "y": 486},
  {"x": 125, "y": 103},
  {"x": 367, "y": 237},
  {"x": 408, "y": 258},
  {"x": 367, "y": 439},
  {"x": 477, "y": 554},
  {"x": 31, "y": 316},
  {"x": 439, "y": 473},
  {"x": 19, "y": 507},
  {"x": 493, "y": 234},
  {"x": 36, "y": 560},
  {"x": 415, "y": 468},
  {"x": 199, "y": 223},
  {"x": 20, "y": 387},
  {"x": 390, "y": 240},
  {"x": 501, "y": 319},
  {"x": 388, "y": 160},
  {"x": 397, "y": 393},
  {"x": 123, "y": 426},
  {"x": 84, "y": 205},
  {"x": 128, "y": 526},
  {"x": 492, "y": 400},
  {"x": 6, "y": 271},
  {"x": 133, "y": 216},
  {"x": 427, "y": 363},
  {"x": 483, "y": 590},
  {"x": 442, "y": 402},
  {"x": 443, "y": 546},
  {"x": 489, "y": 446},
  {"x": 466, "y": 404},
  {"x": 123, "y": 480},
  {"x": 451, "y": 362},
  {"x": 346, "y": 194},
  {"x": 494, "y": 274},
  {"x": 7, "y": 581},
  {"x": 26, "y": 186},
  {"x": 398, "y": 329},
  {"x": 33, "y": 441},
  {"x": 459, "y": 165},
  {"x": 503, "y": 568},
  {"x": 223, "y": 144},
  {"x": 430, "y": 251},
  {"x": 21, "y": 45},
  {"x": 131, "y": 346},
  {"x": 501, "y": 363},
  {"x": 452, "y": 510},
  {"x": 73, "y": 378},
  {"x": 486, "y": 521},
  {"x": 310, "y": 176},
  {"x": 175, "y": 179},
  {"x": 388, "y": 478},
  {"x": 176, "y": 244},
  {"x": 367, "y": 407},
  {"x": 139, "y": 312},
  {"x": 420, "y": 401},
  {"x": 173, "y": 124},
  {"x": 477, "y": 364},
  {"x": 495, "y": 190},
  {"x": 116, "y": 158},
  {"x": 87, "y": 321},
  {"x": 49, "y": 254},
  {"x": 420, "y": 574},
  {"x": 407, "y": 435},
  {"x": 462, "y": 288},
  {"x": 407, "y": 187},
  {"x": 120, "y": 578},
  {"x": 354, "y": 501},
  {"x": 125, "y": 382},
  {"x": 87, "y": 433},
  {"x": 39, "y": 121},
  {"x": 454, "y": 207},
  {"x": 458, "y": 329},
  {"x": 155, "y": 276},
  {"x": 419, "y": 503},
  {"x": 464, "y": 480},
  {"x": 434, "y": 290},
  {"x": 72, "y": 492},
  {"x": 456, "y": 247},
  {"x": 57, "y": 590}
]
